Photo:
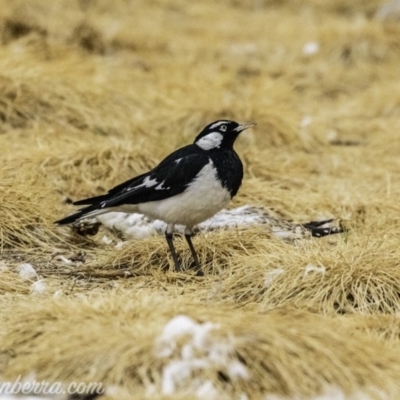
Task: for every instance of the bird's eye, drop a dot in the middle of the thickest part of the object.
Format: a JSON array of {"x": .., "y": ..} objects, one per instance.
[{"x": 223, "y": 128}]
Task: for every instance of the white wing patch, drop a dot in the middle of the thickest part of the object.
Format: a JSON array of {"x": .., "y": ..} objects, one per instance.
[
  {"x": 218, "y": 124},
  {"x": 147, "y": 182},
  {"x": 161, "y": 187},
  {"x": 211, "y": 141}
]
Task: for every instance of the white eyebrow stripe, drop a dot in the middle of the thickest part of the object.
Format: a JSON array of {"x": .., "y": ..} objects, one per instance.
[{"x": 218, "y": 124}]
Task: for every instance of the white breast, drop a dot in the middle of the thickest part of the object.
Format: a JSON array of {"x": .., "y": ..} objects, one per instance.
[{"x": 203, "y": 198}]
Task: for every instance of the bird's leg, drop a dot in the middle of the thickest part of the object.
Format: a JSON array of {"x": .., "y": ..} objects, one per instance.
[
  {"x": 188, "y": 237},
  {"x": 169, "y": 235}
]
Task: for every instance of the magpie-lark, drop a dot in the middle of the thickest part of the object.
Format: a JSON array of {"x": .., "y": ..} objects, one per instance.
[{"x": 186, "y": 188}]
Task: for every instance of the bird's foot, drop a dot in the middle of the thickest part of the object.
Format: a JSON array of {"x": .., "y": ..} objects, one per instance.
[{"x": 181, "y": 267}]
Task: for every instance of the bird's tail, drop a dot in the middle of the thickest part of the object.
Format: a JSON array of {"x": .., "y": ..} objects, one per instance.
[
  {"x": 70, "y": 219},
  {"x": 87, "y": 212},
  {"x": 90, "y": 200}
]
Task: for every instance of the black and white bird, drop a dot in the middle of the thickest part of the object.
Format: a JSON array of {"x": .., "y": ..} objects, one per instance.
[{"x": 186, "y": 188}]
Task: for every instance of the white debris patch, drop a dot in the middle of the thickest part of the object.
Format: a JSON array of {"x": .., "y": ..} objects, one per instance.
[
  {"x": 160, "y": 227},
  {"x": 315, "y": 269},
  {"x": 190, "y": 348},
  {"x": 3, "y": 266},
  {"x": 38, "y": 287},
  {"x": 106, "y": 240},
  {"x": 310, "y": 48},
  {"x": 58, "y": 293},
  {"x": 26, "y": 271},
  {"x": 184, "y": 326},
  {"x": 244, "y": 216},
  {"x": 130, "y": 225},
  {"x": 120, "y": 245},
  {"x": 207, "y": 390},
  {"x": 270, "y": 276},
  {"x": 306, "y": 121},
  {"x": 63, "y": 259},
  {"x": 139, "y": 226}
]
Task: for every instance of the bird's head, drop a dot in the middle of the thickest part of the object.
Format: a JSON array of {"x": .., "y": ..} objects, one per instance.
[{"x": 220, "y": 134}]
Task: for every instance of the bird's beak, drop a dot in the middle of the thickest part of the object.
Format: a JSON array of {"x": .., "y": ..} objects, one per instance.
[{"x": 244, "y": 126}]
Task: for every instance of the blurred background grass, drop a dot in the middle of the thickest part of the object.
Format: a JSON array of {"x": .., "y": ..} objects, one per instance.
[{"x": 94, "y": 92}]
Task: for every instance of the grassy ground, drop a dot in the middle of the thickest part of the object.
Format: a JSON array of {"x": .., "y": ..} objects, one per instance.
[{"x": 94, "y": 92}]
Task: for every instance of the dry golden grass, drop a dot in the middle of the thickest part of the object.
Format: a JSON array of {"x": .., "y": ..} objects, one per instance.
[
  {"x": 95, "y": 92},
  {"x": 64, "y": 338}
]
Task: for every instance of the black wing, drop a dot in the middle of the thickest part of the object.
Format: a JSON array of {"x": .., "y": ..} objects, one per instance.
[
  {"x": 171, "y": 177},
  {"x": 167, "y": 166}
]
